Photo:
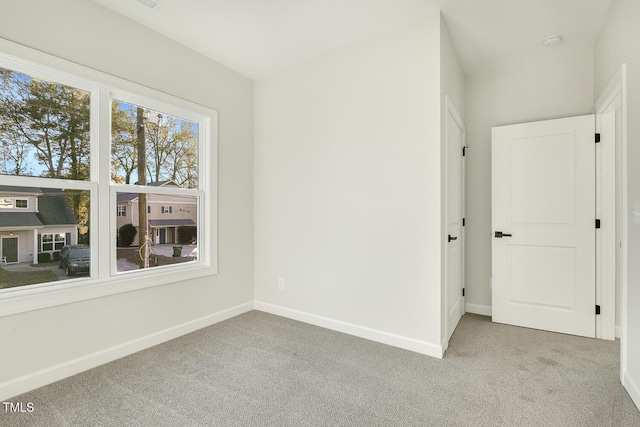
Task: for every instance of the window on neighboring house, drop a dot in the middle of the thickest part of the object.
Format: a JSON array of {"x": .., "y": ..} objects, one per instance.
[
  {"x": 52, "y": 131},
  {"x": 52, "y": 242}
]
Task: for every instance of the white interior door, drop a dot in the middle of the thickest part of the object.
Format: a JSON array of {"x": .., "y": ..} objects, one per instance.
[
  {"x": 455, "y": 212},
  {"x": 543, "y": 206}
]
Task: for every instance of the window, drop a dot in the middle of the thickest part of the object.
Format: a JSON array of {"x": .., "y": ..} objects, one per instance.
[
  {"x": 52, "y": 242},
  {"x": 54, "y": 150}
]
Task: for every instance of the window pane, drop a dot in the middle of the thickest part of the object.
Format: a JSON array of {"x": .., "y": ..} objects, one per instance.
[
  {"x": 170, "y": 238},
  {"x": 44, "y": 128},
  {"x": 32, "y": 240},
  {"x": 169, "y": 145}
]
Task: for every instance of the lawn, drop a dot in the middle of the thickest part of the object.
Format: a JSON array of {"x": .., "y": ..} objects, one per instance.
[{"x": 11, "y": 279}]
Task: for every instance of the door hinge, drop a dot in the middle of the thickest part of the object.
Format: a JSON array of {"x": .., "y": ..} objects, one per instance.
[
  {"x": 597, "y": 223},
  {"x": 597, "y": 309},
  {"x": 464, "y": 151},
  {"x": 463, "y": 221},
  {"x": 462, "y": 291},
  {"x": 597, "y": 138}
]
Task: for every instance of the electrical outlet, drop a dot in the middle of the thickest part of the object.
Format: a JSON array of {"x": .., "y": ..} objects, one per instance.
[{"x": 281, "y": 283}]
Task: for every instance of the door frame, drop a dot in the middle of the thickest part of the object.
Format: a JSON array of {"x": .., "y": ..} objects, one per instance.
[
  {"x": 451, "y": 113},
  {"x": 614, "y": 97}
]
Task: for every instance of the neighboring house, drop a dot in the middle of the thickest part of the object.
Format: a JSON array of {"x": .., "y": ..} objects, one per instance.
[
  {"x": 165, "y": 214},
  {"x": 34, "y": 221}
]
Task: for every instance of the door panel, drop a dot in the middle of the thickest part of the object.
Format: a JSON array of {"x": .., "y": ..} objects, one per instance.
[
  {"x": 10, "y": 249},
  {"x": 455, "y": 233},
  {"x": 543, "y": 196}
]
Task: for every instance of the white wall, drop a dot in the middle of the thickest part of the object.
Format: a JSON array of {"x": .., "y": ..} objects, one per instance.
[
  {"x": 84, "y": 32},
  {"x": 617, "y": 43},
  {"x": 347, "y": 188},
  {"x": 550, "y": 84}
]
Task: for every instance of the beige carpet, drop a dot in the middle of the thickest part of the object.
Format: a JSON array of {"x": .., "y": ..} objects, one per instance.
[{"x": 258, "y": 369}]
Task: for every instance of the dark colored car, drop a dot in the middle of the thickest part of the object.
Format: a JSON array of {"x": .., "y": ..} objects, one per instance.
[{"x": 75, "y": 259}]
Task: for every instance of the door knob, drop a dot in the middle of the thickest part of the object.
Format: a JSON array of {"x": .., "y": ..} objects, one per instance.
[
  {"x": 452, "y": 237},
  {"x": 500, "y": 234}
]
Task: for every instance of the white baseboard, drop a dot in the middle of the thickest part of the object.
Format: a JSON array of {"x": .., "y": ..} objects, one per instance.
[
  {"x": 484, "y": 310},
  {"x": 49, "y": 375},
  {"x": 412, "y": 344},
  {"x": 632, "y": 389}
]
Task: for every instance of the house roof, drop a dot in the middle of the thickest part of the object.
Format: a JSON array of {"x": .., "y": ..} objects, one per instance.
[
  {"x": 12, "y": 189},
  {"x": 170, "y": 222},
  {"x": 19, "y": 219},
  {"x": 129, "y": 197},
  {"x": 54, "y": 208}
]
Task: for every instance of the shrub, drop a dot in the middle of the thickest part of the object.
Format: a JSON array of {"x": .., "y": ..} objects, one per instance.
[
  {"x": 187, "y": 234},
  {"x": 44, "y": 257},
  {"x": 126, "y": 234},
  {"x": 56, "y": 256}
]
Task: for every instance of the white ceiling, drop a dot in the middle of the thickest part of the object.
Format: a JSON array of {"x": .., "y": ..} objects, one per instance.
[{"x": 260, "y": 37}]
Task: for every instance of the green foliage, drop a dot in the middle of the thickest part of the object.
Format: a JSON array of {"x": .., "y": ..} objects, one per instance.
[
  {"x": 44, "y": 257},
  {"x": 126, "y": 234},
  {"x": 187, "y": 234}
]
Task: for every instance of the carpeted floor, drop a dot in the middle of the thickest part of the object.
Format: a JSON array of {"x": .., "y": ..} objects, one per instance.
[{"x": 262, "y": 370}]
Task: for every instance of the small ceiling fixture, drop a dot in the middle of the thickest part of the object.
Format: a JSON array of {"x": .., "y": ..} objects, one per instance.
[{"x": 552, "y": 41}]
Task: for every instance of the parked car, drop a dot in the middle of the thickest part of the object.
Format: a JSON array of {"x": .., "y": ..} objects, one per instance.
[{"x": 75, "y": 259}]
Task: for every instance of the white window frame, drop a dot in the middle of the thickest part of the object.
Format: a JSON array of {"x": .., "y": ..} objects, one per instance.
[
  {"x": 17, "y": 199},
  {"x": 121, "y": 211},
  {"x": 103, "y": 278}
]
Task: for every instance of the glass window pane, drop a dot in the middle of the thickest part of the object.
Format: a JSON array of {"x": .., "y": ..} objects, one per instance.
[
  {"x": 60, "y": 213},
  {"x": 167, "y": 239},
  {"x": 169, "y": 145},
  {"x": 44, "y": 128}
]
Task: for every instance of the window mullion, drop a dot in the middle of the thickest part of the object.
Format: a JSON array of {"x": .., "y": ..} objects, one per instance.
[{"x": 102, "y": 239}]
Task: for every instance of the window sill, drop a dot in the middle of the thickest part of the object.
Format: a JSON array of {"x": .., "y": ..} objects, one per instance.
[{"x": 36, "y": 297}]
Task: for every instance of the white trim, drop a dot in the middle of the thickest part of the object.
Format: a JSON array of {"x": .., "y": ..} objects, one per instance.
[
  {"x": 632, "y": 388},
  {"x": 63, "y": 370},
  {"x": 407, "y": 343},
  {"x": 616, "y": 91},
  {"x": 606, "y": 239},
  {"x": 618, "y": 331},
  {"x": 484, "y": 310}
]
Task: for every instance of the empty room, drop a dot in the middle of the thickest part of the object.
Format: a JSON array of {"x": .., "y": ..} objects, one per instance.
[{"x": 304, "y": 212}]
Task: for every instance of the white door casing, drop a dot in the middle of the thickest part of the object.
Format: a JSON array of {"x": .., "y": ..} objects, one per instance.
[
  {"x": 454, "y": 202},
  {"x": 543, "y": 200}
]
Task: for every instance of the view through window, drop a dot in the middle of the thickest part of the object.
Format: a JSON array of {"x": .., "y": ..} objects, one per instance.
[{"x": 49, "y": 158}]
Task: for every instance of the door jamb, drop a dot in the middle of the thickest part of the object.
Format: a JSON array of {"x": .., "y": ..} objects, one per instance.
[{"x": 614, "y": 97}]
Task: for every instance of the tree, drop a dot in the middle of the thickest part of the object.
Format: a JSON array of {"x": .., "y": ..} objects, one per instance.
[
  {"x": 126, "y": 234},
  {"x": 170, "y": 146},
  {"x": 124, "y": 154},
  {"x": 44, "y": 131}
]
